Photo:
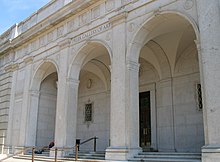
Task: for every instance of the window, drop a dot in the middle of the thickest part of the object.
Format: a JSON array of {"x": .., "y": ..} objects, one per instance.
[
  {"x": 88, "y": 112},
  {"x": 199, "y": 97}
]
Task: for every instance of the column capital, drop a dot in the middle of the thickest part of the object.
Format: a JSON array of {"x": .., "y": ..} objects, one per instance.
[
  {"x": 134, "y": 66},
  {"x": 34, "y": 93},
  {"x": 73, "y": 81},
  {"x": 119, "y": 18},
  {"x": 28, "y": 60},
  {"x": 65, "y": 43},
  {"x": 11, "y": 67}
]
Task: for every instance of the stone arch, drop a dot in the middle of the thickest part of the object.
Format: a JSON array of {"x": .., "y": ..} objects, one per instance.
[
  {"x": 144, "y": 31},
  {"x": 90, "y": 66},
  {"x": 46, "y": 72},
  {"x": 189, "y": 59},
  {"x": 147, "y": 72},
  {"x": 162, "y": 34},
  {"x": 164, "y": 68},
  {"x": 44, "y": 69},
  {"x": 82, "y": 56}
]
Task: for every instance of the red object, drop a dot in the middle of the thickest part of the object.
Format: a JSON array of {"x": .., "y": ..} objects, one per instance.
[{"x": 51, "y": 144}]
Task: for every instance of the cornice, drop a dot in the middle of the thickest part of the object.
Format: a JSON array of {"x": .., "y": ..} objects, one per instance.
[
  {"x": 119, "y": 18},
  {"x": 49, "y": 22}
]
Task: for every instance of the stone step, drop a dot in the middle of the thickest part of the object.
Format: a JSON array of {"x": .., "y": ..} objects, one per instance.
[
  {"x": 51, "y": 159},
  {"x": 162, "y": 160},
  {"x": 168, "y": 153},
  {"x": 89, "y": 155},
  {"x": 167, "y": 157},
  {"x": 85, "y": 156}
]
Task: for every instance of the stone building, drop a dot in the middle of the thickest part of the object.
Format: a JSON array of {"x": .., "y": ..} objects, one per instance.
[{"x": 138, "y": 74}]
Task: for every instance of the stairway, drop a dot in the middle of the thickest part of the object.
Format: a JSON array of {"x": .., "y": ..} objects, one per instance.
[
  {"x": 167, "y": 157},
  {"x": 100, "y": 155},
  {"x": 82, "y": 156}
]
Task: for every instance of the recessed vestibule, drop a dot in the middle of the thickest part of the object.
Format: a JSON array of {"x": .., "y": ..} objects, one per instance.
[{"x": 169, "y": 72}]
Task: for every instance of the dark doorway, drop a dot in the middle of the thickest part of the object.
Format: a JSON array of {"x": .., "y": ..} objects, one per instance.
[{"x": 145, "y": 119}]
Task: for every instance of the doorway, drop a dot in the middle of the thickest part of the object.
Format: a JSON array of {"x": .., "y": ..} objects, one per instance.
[{"x": 145, "y": 119}]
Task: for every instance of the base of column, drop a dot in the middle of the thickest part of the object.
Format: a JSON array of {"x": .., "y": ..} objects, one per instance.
[
  {"x": 61, "y": 152},
  {"x": 19, "y": 150},
  {"x": 121, "y": 154},
  {"x": 211, "y": 153},
  {"x": 7, "y": 150}
]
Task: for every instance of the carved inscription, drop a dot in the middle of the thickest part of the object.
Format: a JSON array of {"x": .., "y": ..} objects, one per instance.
[{"x": 92, "y": 32}]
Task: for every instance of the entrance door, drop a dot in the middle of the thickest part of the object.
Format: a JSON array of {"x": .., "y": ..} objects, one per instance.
[{"x": 145, "y": 119}]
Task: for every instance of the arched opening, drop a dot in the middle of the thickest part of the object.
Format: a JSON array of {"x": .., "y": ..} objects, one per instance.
[
  {"x": 47, "y": 110},
  {"x": 93, "y": 110},
  {"x": 43, "y": 105},
  {"x": 169, "y": 85}
]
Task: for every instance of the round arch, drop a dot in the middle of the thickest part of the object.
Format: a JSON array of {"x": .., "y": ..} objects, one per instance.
[
  {"x": 83, "y": 55},
  {"x": 44, "y": 69},
  {"x": 144, "y": 31}
]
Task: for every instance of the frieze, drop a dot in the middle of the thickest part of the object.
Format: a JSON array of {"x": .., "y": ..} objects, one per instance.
[
  {"x": 91, "y": 33},
  {"x": 60, "y": 31},
  {"x": 84, "y": 18},
  {"x": 124, "y": 2},
  {"x": 50, "y": 37},
  {"x": 71, "y": 25},
  {"x": 110, "y": 5},
  {"x": 95, "y": 12}
]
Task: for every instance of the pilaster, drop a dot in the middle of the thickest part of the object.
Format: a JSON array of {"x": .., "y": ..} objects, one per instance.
[
  {"x": 165, "y": 115},
  {"x": 25, "y": 103},
  {"x": 8, "y": 144},
  {"x": 32, "y": 118},
  {"x": 209, "y": 22}
]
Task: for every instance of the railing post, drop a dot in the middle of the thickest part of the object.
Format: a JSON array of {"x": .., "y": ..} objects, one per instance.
[
  {"x": 55, "y": 154},
  {"x": 95, "y": 144},
  {"x": 32, "y": 158},
  {"x": 76, "y": 157}
]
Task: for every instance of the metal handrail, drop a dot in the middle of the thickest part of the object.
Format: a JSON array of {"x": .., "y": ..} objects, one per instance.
[
  {"x": 10, "y": 156},
  {"x": 33, "y": 152},
  {"x": 77, "y": 146},
  {"x": 56, "y": 149},
  {"x": 88, "y": 140}
]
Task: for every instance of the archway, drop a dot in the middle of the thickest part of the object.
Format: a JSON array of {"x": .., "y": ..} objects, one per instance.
[
  {"x": 167, "y": 43},
  {"x": 43, "y": 99},
  {"x": 92, "y": 68}
]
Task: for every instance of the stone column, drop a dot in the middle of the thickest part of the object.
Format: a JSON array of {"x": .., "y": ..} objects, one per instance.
[
  {"x": 119, "y": 115},
  {"x": 71, "y": 108},
  {"x": 133, "y": 106},
  {"x": 61, "y": 110},
  {"x": 209, "y": 24}
]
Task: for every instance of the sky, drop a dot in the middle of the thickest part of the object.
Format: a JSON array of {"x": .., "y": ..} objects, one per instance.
[{"x": 14, "y": 11}]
